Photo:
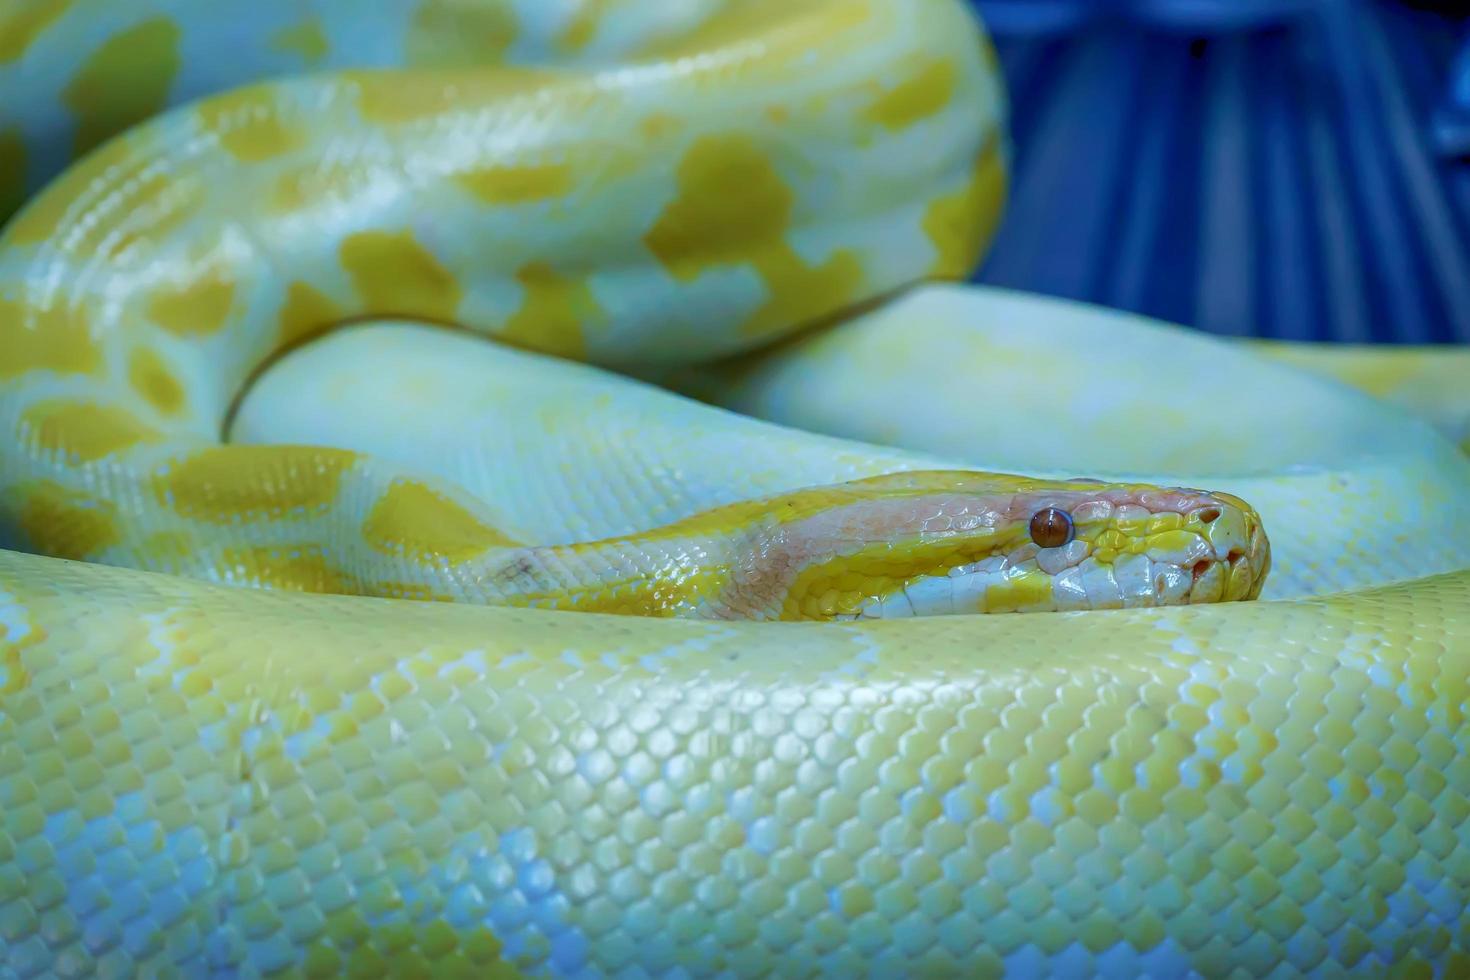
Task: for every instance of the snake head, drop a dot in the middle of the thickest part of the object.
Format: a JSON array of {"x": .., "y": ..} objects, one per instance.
[
  {"x": 1091, "y": 545},
  {"x": 952, "y": 542}
]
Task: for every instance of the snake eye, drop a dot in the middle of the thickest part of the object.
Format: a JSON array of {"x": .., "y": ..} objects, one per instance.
[{"x": 1051, "y": 527}]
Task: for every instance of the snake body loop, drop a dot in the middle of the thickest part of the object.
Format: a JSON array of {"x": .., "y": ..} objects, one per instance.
[{"x": 206, "y": 779}]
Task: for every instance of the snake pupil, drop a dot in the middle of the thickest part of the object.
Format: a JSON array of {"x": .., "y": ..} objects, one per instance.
[{"x": 1051, "y": 527}]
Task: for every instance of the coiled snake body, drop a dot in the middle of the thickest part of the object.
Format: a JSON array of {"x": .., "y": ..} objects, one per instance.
[{"x": 198, "y": 778}]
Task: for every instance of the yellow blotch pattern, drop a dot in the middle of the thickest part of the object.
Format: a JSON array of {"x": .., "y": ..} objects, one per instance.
[
  {"x": 1019, "y": 593},
  {"x": 384, "y": 99},
  {"x": 390, "y": 99},
  {"x": 840, "y": 585},
  {"x": 19, "y": 28},
  {"x": 801, "y": 293},
  {"x": 229, "y": 484},
  {"x": 151, "y": 378},
  {"x": 52, "y": 339},
  {"x": 582, "y": 28},
  {"x": 306, "y": 39},
  {"x": 653, "y": 598},
  {"x": 962, "y": 224},
  {"x": 660, "y": 124},
  {"x": 124, "y": 81},
  {"x": 456, "y": 32},
  {"x": 170, "y": 550},
  {"x": 196, "y": 308},
  {"x": 12, "y": 171},
  {"x": 732, "y": 208},
  {"x": 39, "y": 217},
  {"x": 387, "y": 98},
  {"x": 300, "y": 569},
  {"x": 554, "y": 314},
  {"x": 517, "y": 184},
  {"x": 917, "y": 97},
  {"x": 414, "y": 520},
  {"x": 64, "y": 523},
  {"x": 82, "y": 430},
  {"x": 248, "y": 125},
  {"x": 395, "y": 275},
  {"x": 306, "y": 312}
]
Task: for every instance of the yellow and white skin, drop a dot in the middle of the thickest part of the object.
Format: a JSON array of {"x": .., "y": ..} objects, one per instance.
[{"x": 204, "y": 778}]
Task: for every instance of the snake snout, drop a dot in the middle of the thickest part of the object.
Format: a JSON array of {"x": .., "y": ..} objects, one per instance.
[
  {"x": 1160, "y": 546},
  {"x": 1240, "y": 552}
]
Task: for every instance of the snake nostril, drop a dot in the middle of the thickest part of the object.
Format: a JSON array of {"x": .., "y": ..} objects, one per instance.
[
  {"x": 1200, "y": 567},
  {"x": 1209, "y": 515}
]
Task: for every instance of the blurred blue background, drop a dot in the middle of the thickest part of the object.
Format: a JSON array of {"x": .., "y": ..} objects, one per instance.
[{"x": 1295, "y": 169}]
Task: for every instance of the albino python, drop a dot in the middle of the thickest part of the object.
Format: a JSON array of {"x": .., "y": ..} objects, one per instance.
[{"x": 199, "y": 778}]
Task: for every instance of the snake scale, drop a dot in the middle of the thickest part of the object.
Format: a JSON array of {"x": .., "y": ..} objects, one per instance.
[{"x": 202, "y": 779}]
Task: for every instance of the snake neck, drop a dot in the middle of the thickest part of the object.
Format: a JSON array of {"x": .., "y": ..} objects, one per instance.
[
  {"x": 684, "y": 577},
  {"x": 764, "y": 559},
  {"x": 758, "y": 559}
]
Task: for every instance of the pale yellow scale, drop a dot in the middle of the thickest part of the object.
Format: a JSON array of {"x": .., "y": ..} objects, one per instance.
[{"x": 201, "y": 779}]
